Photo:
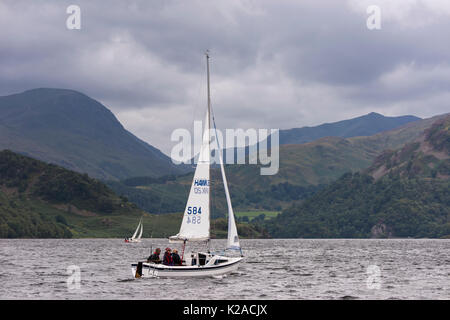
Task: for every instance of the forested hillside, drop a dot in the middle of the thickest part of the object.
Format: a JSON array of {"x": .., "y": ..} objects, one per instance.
[
  {"x": 405, "y": 193},
  {"x": 39, "y": 200}
]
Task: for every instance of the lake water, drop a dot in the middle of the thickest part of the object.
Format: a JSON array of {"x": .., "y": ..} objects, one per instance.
[{"x": 272, "y": 269}]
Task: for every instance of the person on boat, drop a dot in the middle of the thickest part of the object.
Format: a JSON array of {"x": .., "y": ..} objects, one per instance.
[
  {"x": 167, "y": 259},
  {"x": 176, "y": 258},
  {"x": 155, "y": 256}
]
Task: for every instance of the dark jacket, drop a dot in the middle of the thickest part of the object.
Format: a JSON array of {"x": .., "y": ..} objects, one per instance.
[
  {"x": 167, "y": 260},
  {"x": 154, "y": 258},
  {"x": 176, "y": 259}
]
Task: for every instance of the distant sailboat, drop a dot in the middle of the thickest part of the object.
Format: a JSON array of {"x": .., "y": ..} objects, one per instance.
[
  {"x": 195, "y": 226},
  {"x": 134, "y": 238}
]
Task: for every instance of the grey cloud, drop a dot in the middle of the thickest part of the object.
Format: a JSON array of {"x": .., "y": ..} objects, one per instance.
[{"x": 275, "y": 64}]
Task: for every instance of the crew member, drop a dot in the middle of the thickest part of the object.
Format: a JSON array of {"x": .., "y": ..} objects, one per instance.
[
  {"x": 155, "y": 256},
  {"x": 176, "y": 258},
  {"x": 167, "y": 259}
]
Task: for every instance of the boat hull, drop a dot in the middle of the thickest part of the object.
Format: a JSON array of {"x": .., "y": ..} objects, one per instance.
[
  {"x": 151, "y": 270},
  {"x": 133, "y": 241}
]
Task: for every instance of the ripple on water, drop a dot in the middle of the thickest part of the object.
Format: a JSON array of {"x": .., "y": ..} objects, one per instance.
[{"x": 321, "y": 269}]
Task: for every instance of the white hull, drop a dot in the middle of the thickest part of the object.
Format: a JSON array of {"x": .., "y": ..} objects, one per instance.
[
  {"x": 152, "y": 270},
  {"x": 133, "y": 241}
]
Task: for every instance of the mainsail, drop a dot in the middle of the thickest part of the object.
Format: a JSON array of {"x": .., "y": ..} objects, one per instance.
[{"x": 195, "y": 225}]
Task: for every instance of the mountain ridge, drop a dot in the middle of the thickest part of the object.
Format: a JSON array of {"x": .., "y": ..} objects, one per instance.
[
  {"x": 362, "y": 126},
  {"x": 365, "y": 125},
  {"x": 69, "y": 128},
  {"x": 304, "y": 169}
]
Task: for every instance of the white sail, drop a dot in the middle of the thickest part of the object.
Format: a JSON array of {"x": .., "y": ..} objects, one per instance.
[
  {"x": 142, "y": 230},
  {"x": 137, "y": 229},
  {"x": 195, "y": 225},
  {"x": 233, "y": 238}
]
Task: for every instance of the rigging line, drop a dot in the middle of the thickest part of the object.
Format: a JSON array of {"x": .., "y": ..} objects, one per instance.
[
  {"x": 218, "y": 150},
  {"x": 217, "y": 141},
  {"x": 214, "y": 202}
]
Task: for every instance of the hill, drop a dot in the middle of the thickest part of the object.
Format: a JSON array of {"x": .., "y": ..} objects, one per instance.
[
  {"x": 409, "y": 197},
  {"x": 70, "y": 129},
  {"x": 366, "y": 125},
  {"x": 428, "y": 156},
  {"x": 40, "y": 200},
  {"x": 326, "y": 159},
  {"x": 304, "y": 169}
]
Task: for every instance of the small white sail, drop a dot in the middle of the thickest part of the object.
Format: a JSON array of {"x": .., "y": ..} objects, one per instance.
[
  {"x": 142, "y": 230},
  {"x": 137, "y": 230},
  {"x": 195, "y": 225}
]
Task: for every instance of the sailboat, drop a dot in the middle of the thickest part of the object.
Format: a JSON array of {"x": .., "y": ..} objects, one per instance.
[
  {"x": 195, "y": 225},
  {"x": 134, "y": 238}
]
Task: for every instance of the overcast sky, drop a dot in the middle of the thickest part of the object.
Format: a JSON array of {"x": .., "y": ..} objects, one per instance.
[{"x": 275, "y": 64}]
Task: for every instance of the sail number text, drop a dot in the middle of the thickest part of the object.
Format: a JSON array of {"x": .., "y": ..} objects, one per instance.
[
  {"x": 201, "y": 190},
  {"x": 194, "y": 219}
]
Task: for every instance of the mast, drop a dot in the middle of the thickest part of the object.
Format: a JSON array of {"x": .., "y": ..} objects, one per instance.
[
  {"x": 196, "y": 225},
  {"x": 209, "y": 139}
]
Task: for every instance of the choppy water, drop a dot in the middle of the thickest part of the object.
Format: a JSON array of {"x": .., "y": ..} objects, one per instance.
[{"x": 272, "y": 269}]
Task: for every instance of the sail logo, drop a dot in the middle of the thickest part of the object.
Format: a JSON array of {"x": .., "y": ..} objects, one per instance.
[
  {"x": 233, "y": 146},
  {"x": 201, "y": 182}
]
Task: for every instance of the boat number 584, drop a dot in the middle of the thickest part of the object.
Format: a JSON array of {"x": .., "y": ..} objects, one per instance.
[{"x": 194, "y": 219}]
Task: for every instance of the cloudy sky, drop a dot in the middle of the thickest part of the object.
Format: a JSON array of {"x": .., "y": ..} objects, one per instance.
[{"x": 275, "y": 63}]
